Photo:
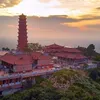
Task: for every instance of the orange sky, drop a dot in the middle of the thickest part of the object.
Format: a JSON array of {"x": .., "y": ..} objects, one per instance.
[
  {"x": 73, "y": 8},
  {"x": 67, "y": 22}
]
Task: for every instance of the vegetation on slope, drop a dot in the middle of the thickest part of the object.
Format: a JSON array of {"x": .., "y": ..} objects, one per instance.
[
  {"x": 62, "y": 85},
  {"x": 65, "y": 78}
]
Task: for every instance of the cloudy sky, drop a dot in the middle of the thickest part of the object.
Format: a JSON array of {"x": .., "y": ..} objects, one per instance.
[{"x": 65, "y": 22}]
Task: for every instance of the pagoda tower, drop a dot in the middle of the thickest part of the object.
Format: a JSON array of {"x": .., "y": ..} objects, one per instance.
[{"x": 22, "y": 33}]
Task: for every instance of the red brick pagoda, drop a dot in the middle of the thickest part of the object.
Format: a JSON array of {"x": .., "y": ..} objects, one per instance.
[{"x": 22, "y": 33}]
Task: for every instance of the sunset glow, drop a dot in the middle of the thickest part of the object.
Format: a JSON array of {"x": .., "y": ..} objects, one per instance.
[
  {"x": 52, "y": 21},
  {"x": 30, "y": 7},
  {"x": 52, "y": 7}
]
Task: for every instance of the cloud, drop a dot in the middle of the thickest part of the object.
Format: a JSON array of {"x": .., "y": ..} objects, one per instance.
[
  {"x": 73, "y": 8},
  {"x": 63, "y": 23},
  {"x": 9, "y": 3},
  {"x": 98, "y": 8},
  {"x": 89, "y": 17},
  {"x": 74, "y": 3},
  {"x": 56, "y": 18},
  {"x": 84, "y": 24}
]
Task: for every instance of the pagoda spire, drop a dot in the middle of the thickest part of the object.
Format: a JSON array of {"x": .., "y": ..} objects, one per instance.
[{"x": 22, "y": 33}]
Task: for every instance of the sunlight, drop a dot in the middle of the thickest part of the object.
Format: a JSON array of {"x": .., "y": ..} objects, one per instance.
[
  {"x": 52, "y": 7},
  {"x": 34, "y": 7},
  {"x": 30, "y": 8}
]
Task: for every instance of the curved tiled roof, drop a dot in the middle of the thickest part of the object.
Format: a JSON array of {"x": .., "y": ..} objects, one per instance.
[
  {"x": 70, "y": 55},
  {"x": 54, "y": 46}
]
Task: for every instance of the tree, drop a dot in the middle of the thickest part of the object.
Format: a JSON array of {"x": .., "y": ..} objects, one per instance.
[
  {"x": 91, "y": 50},
  {"x": 97, "y": 58},
  {"x": 5, "y": 49},
  {"x": 91, "y": 47},
  {"x": 34, "y": 47},
  {"x": 27, "y": 50}
]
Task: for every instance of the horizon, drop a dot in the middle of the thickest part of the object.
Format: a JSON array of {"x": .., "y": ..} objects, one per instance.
[{"x": 52, "y": 21}]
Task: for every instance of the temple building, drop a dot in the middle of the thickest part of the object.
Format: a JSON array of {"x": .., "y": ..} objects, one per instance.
[
  {"x": 65, "y": 56},
  {"x": 22, "y": 33}
]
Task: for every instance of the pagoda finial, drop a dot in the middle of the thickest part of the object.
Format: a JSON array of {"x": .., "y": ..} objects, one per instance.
[{"x": 23, "y": 14}]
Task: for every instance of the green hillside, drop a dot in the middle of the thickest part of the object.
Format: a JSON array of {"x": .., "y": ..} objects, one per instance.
[{"x": 62, "y": 85}]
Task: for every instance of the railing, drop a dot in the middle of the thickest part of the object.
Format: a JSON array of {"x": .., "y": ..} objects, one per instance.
[
  {"x": 32, "y": 73},
  {"x": 10, "y": 86},
  {"x": 9, "y": 76},
  {"x": 22, "y": 75}
]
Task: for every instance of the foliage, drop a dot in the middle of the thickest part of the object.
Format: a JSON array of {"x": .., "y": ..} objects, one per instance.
[
  {"x": 66, "y": 75},
  {"x": 89, "y": 51},
  {"x": 83, "y": 88},
  {"x": 5, "y": 49},
  {"x": 34, "y": 46},
  {"x": 39, "y": 79},
  {"x": 91, "y": 47},
  {"x": 37, "y": 93},
  {"x": 97, "y": 58}
]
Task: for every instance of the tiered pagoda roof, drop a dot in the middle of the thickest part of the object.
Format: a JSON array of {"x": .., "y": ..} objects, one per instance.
[{"x": 22, "y": 33}]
